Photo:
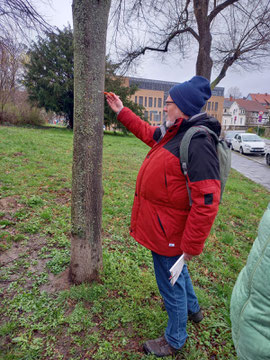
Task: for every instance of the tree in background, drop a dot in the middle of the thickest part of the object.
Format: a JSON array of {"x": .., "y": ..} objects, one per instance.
[
  {"x": 234, "y": 92},
  {"x": 223, "y": 33},
  {"x": 10, "y": 65},
  {"x": 90, "y": 18},
  {"x": 49, "y": 77},
  {"x": 115, "y": 84},
  {"x": 49, "y": 73}
]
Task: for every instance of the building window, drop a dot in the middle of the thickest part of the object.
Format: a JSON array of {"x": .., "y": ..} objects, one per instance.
[
  {"x": 241, "y": 121},
  {"x": 155, "y": 102},
  {"x": 155, "y": 116},
  {"x": 150, "y": 102},
  {"x": 136, "y": 100},
  {"x": 159, "y": 102},
  {"x": 209, "y": 105},
  {"x": 140, "y": 100},
  {"x": 146, "y": 115},
  {"x": 151, "y": 115},
  {"x": 216, "y": 106},
  {"x": 213, "y": 105},
  {"x": 145, "y": 101}
]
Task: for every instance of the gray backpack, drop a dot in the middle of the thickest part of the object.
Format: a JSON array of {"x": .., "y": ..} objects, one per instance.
[{"x": 223, "y": 152}]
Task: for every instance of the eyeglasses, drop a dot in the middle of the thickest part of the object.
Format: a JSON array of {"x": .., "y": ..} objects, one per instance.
[{"x": 169, "y": 102}]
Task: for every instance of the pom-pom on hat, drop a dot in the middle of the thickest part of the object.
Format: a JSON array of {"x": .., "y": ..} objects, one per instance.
[{"x": 190, "y": 96}]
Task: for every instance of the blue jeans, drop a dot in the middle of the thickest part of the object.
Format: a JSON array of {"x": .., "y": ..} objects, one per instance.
[{"x": 179, "y": 299}]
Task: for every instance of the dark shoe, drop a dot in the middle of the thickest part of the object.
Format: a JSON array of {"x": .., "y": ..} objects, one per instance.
[
  {"x": 159, "y": 347},
  {"x": 196, "y": 317}
]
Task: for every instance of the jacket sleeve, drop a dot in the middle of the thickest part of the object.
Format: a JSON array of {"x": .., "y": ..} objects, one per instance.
[
  {"x": 204, "y": 184},
  {"x": 141, "y": 129}
]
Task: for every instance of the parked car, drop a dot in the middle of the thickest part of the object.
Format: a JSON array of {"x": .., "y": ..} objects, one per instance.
[
  {"x": 267, "y": 157},
  {"x": 248, "y": 144},
  {"x": 230, "y": 134}
]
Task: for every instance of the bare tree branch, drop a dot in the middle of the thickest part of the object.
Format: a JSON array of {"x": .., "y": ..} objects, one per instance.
[
  {"x": 131, "y": 56},
  {"x": 230, "y": 32},
  {"x": 20, "y": 16},
  {"x": 219, "y": 8}
]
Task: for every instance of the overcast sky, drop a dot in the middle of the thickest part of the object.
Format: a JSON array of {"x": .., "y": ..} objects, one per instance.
[{"x": 60, "y": 14}]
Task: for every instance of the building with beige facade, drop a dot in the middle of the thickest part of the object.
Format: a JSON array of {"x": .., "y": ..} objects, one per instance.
[{"x": 151, "y": 94}]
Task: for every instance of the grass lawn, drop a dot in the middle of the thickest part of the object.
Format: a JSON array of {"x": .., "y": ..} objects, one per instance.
[{"x": 42, "y": 317}]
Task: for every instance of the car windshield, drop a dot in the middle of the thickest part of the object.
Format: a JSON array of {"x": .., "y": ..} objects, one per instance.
[{"x": 251, "y": 138}]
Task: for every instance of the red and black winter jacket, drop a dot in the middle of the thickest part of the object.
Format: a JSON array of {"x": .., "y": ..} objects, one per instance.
[{"x": 162, "y": 219}]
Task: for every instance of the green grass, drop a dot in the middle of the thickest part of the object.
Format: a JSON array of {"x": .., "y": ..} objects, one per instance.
[{"x": 112, "y": 317}]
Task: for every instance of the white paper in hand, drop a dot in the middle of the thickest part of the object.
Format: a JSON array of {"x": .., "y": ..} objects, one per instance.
[{"x": 176, "y": 269}]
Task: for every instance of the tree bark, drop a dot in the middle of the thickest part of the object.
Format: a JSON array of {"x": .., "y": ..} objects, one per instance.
[
  {"x": 90, "y": 18},
  {"x": 204, "y": 62}
]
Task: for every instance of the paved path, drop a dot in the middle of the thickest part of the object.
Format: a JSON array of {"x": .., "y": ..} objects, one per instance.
[{"x": 254, "y": 168}]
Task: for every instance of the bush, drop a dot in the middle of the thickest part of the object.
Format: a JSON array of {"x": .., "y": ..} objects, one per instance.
[
  {"x": 31, "y": 117},
  {"x": 23, "y": 115},
  {"x": 261, "y": 131},
  {"x": 257, "y": 130}
]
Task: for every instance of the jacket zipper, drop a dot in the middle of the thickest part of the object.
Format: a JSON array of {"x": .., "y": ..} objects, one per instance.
[{"x": 160, "y": 223}]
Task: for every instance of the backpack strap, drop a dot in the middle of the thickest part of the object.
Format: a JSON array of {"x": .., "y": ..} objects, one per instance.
[
  {"x": 184, "y": 145},
  {"x": 209, "y": 131}
]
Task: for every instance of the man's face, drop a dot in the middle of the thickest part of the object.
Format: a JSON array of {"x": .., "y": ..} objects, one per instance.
[{"x": 172, "y": 111}]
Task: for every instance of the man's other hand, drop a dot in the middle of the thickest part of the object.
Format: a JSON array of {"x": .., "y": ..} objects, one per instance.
[
  {"x": 187, "y": 257},
  {"x": 114, "y": 102}
]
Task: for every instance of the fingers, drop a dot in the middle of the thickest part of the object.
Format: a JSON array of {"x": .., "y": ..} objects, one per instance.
[
  {"x": 187, "y": 257},
  {"x": 110, "y": 95},
  {"x": 114, "y": 101}
]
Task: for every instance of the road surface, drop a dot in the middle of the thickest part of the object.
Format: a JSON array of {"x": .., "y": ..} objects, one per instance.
[{"x": 253, "y": 167}]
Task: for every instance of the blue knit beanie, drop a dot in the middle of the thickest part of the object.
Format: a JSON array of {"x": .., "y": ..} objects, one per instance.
[{"x": 191, "y": 96}]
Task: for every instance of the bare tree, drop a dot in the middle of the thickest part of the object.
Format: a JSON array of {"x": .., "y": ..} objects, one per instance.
[
  {"x": 90, "y": 18},
  {"x": 221, "y": 32},
  {"x": 10, "y": 65},
  {"x": 19, "y": 16},
  {"x": 234, "y": 92}
]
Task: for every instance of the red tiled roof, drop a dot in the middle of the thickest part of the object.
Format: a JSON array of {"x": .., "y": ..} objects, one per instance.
[
  {"x": 250, "y": 105},
  {"x": 261, "y": 98}
]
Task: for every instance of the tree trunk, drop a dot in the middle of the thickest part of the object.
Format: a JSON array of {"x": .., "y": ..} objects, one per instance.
[
  {"x": 204, "y": 62},
  {"x": 90, "y": 18}
]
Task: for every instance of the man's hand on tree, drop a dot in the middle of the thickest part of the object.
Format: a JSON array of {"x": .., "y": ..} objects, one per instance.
[{"x": 114, "y": 102}]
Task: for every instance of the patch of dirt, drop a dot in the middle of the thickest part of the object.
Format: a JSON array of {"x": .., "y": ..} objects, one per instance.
[
  {"x": 32, "y": 247},
  {"x": 10, "y": 203},
  {"x": 65, "y": 196},
  {"x": 31, "y": 250},
  {"x": 57, "y": 282},
  {"x": 7, "y": 259}
]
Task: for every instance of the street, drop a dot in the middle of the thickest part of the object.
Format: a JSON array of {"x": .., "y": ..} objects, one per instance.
[{"x": 253, "y": 167}]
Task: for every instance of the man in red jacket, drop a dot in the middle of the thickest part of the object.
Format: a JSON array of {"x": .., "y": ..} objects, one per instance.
[{"x": 162, "y": 219}]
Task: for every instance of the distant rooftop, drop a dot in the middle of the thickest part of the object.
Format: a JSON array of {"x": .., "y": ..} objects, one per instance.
[
  {"x": 250, "y": 105},
  {"x": 165, "y": 86},
  {"x": 261, "y": 98},
  {"x": 227, "y": 103}
]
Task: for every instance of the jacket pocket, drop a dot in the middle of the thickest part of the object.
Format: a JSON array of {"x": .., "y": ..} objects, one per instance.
[{"x": 160, "y": 223}]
